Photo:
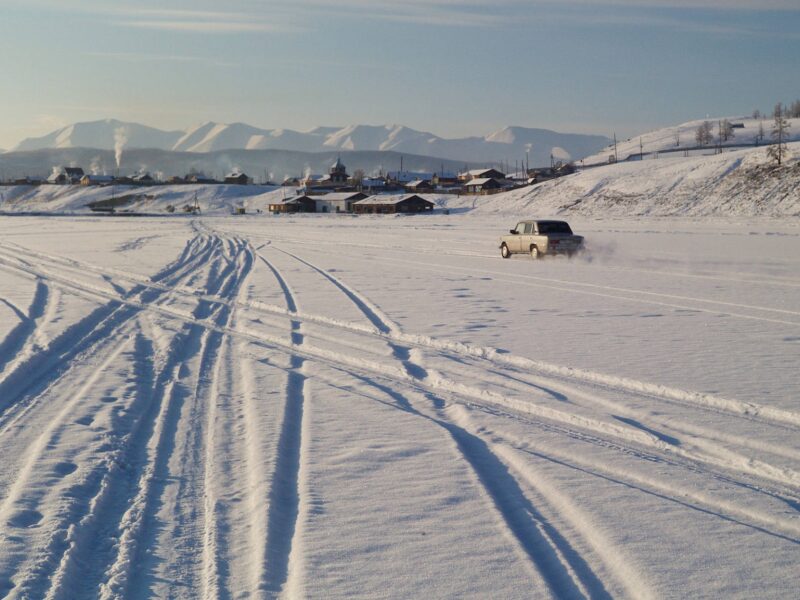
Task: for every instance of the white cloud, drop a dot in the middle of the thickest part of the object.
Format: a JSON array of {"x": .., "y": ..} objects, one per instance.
[
  {"x": 208, "y": 26},
  {"x": 136, "y": 57}
]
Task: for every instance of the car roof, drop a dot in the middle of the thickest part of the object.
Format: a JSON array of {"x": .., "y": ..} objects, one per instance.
[{"x": 540, "y": 221}]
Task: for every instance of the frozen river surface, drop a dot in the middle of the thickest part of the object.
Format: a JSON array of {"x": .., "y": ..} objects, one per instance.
[{"x": 324, "y": 406}]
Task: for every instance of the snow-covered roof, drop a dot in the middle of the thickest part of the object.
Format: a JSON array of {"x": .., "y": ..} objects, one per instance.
[
  {"x": 406, "y": 176},
  {"x": 338, "y": 196},
  {"x": 417, "y": 182},
  {"x": 479, "y": 172},
  {"x": 480, "y": 181},
  {"x": 388, "y": 199}
]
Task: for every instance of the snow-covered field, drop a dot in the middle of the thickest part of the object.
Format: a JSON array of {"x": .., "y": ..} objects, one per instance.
[{"x": 321, "y": 406}]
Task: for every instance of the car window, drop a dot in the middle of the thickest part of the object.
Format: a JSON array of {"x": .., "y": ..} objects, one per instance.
[
  {"x": 520, "y": 227},
  {"x": 546, "y": 227},
  {"x": 528, "y": 228}
]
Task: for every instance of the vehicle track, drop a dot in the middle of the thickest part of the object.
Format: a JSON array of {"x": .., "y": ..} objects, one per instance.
[
  {"x": 564, "y": 570},
  {"x": 505, "y": 360},
  {"x": 116, "y": 322},
  {"x": 629, "y": 430}
]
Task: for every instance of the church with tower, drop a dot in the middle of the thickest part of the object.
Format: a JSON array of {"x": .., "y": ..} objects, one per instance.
[{"x": 335, "y": 179}]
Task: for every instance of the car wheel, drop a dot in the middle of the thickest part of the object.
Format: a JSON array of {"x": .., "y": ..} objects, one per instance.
[
  {"x": 504, "y": 251},
  {"x": 534, "y": 252}
]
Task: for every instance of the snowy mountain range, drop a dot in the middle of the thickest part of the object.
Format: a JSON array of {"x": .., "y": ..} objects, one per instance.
[{"x": 509, "y": 144}]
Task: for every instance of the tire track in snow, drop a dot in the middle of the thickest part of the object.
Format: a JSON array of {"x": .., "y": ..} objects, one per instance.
[
  {"x": 746, "y": 463},
  {"x": 374, "y": 315},
  {"x": 44, "y": 368},
  {"x": 626, "y": 432},
  {"x": 606, "y": 292},
  {"x": 684, "y": 496},
  {"x": 19, "y": 343},
  {"x": 629, "y": 434},
  {"x": 29, "y": 583},
  {"x": 564, "y": 570},
  {"x": 216, "y": 567},
  {"x": 282, "y": 555},
  {"x": 747, "y": 409},
  {"x": 190, "y": 509},
  {"x": 113, "y": 327}
]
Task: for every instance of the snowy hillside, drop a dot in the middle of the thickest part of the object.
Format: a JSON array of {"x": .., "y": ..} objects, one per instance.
[
  {"x": 508, "y": 144},
  {"x": 214, "y": 199},
  {"x": 739, "y": 182},
  {"x": 675, "y": 138}
]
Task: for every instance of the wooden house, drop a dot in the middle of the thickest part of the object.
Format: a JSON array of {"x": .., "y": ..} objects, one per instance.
[
  {"x": 90, "y": 179},
  {"x": 237, "y": 178},
  {"x": 481, "y": 174},
  {"x": 338, "y": 202},
  {"x": 419, "y": 186},
  {"x": 482, "y": 186},
  {"x": 444, "y": 180},
  {"x": 387, "y": 205},
  {"x": 65, "y": 175},
  {"x": 142, "y": 179},
  {"x": 298, "y": 204}
]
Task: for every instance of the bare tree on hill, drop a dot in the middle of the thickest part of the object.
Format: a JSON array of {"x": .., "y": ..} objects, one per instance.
[
  {"x": 703, "y": 135},
  {"x": 780, "y": 127},
  {"x": 726, "y": 130}
]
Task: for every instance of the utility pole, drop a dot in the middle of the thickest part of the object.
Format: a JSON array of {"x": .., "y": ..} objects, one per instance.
[
  {"x": 641, "y": 149},
  {"x": 616, "y": 158}
]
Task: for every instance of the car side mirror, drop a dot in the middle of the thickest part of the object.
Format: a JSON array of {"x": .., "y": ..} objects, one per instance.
[{"x": 512, "y": 231}]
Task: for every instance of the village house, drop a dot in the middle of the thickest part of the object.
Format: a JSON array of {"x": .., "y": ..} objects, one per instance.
[
  {"x": 298, "y": 204},
  {"x": 65, "y": 175},
  {"x": 482, "y": 186},
  {"x": 27, "y": 180},
  {"x": 404, "y": 177},
  {"x": 142, "y": 179},
  {"x": 481, "y": 174},
  {"x": 444, "y": 180},
  {"x": 338, "y": 202},
  {"x": 90, "y": 179},
  {"x": 419, "y": 186},
  {"x": 373, "y": 184},
  {"x": 238, "y": 178},
  {"x": 199, "y": 178},
  {"x": 384, "y": 205}
]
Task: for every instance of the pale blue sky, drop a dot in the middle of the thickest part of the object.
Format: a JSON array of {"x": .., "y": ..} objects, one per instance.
[{"x": 453, "y": 67}]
